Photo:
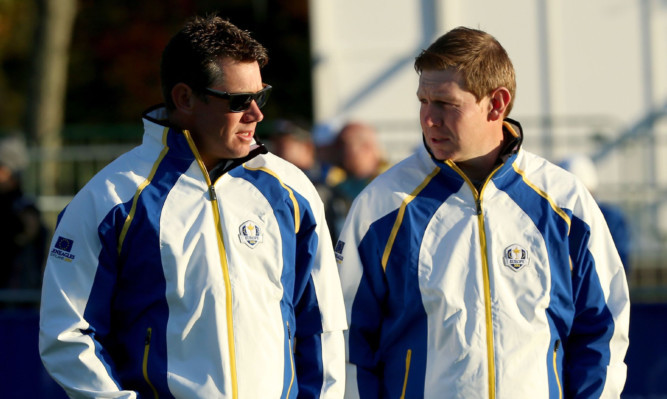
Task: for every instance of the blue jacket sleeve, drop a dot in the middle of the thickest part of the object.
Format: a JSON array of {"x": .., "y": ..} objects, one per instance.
[
  {"x": 364, "y": 291},
  {"x": 319, "y": 312},
  {"x": 596, "y": 345}
]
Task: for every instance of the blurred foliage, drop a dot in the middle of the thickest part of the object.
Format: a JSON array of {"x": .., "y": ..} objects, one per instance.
[
  {"x": 17, "y": 25},
  {"x": 115, "y": 53}
]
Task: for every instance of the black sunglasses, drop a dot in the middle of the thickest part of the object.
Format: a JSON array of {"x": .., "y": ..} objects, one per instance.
[{"x": 239, "y": 102}]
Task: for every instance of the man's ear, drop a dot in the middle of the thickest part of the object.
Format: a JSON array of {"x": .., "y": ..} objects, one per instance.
[
  {"x": 498, "y": 102},
  {"x": 183, "y": 97}
]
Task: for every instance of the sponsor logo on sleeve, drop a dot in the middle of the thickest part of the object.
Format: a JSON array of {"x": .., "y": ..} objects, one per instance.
[{"x": 62, "y": 249}]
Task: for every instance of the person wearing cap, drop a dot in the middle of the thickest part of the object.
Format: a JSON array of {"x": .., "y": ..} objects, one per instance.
[
  {"x": 474, "y": 268},
  {"x": 294, "y": 143},
  {"x": 197, "y": 265},
  {"x": 24, "y": 234}
]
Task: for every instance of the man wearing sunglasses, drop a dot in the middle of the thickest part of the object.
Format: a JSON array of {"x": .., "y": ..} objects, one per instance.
[{"x": 197, "y": 265}]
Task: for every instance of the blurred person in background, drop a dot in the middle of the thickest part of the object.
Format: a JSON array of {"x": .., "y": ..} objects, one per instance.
[
  {"x": 584, "y": 168},
  {"x": 295, "y": 144},
  {"x": 474, "y": 268},
  {"x": 358, "y": 153},
  {"x": 24, "y": 235},
  {"x": 197, "y": 265},
  {"x": 292, "y": 142}
]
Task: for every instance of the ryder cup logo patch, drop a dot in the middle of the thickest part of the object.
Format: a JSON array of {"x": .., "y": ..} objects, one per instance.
[
  {"x": 250, "y": 234},
  {"x": 516, "y": 257}
]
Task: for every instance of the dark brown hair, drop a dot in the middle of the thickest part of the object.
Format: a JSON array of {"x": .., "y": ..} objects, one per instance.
[{"x": 193, "y": 54}]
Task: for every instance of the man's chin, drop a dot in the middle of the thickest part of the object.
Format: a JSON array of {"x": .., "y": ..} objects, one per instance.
[
  {"x": 242, "y": 153},
  {"x": 441, "y": 155}
]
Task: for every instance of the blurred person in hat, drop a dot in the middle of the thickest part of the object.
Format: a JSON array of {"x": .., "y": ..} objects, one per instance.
[
  {"x": 291, "y": 141},
  {"x": 23, "y": 232}
]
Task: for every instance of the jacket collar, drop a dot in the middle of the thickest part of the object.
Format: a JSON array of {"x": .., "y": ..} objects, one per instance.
[
  {"x": 513, "y": 140},
  {"x": 177, "y": 140}
]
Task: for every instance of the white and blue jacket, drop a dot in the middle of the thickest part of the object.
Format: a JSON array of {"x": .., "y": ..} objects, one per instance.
[
  {"x": 514, "y": 290},
  {"x": 163, "y": 283}
]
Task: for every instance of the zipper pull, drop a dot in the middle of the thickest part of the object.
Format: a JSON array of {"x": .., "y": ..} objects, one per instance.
[
  {"x": 211, "y": 191},
  {"x": 478, "y": 204}
]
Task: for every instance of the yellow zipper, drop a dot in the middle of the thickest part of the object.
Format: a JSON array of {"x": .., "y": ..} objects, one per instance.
[
  {"x": 147, "y": 346},
  {"x": 485, "y": 274},
  {"x": 291, "y": 360},
  {"x": 560, "y": 388},
  {"x": 225, "y": 266},
  {"x": 408, "y": 358}
]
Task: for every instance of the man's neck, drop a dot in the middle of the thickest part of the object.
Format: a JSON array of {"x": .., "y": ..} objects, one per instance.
[{"x": 479, "y": 168}]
